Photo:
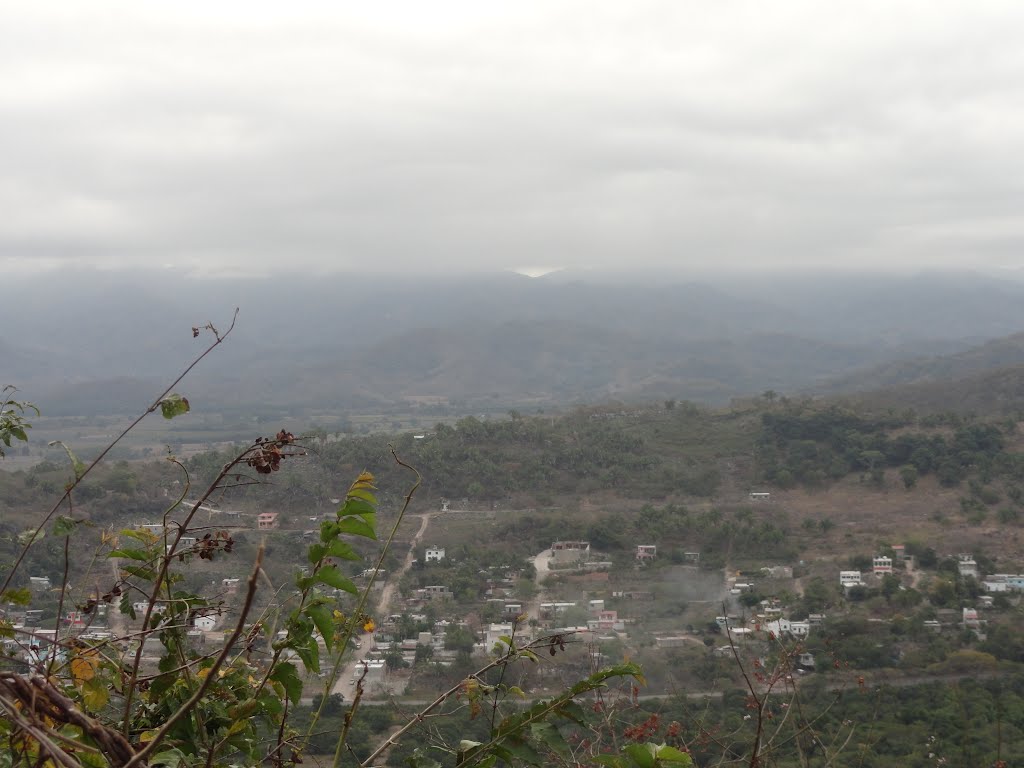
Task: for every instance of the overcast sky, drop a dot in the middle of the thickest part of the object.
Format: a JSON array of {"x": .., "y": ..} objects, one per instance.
[{"x": 221, "y": 136}]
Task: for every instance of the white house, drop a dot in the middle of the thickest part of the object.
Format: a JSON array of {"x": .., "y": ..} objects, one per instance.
[
  {"x": 781, "y": 627},
  {"x": 205, "y": 623},
  {"x": 881, "y": 565},
  {"x": 434, "y": 554},
  {"x": 966, "y": 566},
  {"x": 849, "y": 579}
]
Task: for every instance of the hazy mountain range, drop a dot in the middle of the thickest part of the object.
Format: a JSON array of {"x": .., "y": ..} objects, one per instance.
[{"x": 89, "y": 342}]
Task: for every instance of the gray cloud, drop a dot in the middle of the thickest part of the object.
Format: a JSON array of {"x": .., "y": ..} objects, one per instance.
[{"x": 479, "y": 135}]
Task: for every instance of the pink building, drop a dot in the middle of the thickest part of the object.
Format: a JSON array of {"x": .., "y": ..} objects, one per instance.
[{"x": 266, "y": 521}]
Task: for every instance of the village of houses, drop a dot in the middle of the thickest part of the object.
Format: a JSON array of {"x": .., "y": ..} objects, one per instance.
[{"x": 573, "y": 591}]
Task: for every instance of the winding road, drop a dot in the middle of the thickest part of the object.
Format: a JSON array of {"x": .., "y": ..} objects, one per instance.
[{"x": 344, "y": 683}]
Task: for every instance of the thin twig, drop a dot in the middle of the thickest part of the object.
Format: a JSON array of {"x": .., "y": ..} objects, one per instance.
[
  {"x": 60, "y": 602},
  {"x": 185, "y": 708},
  {"x": 165, "y": 563},
  {"x": 220, "y": 337},
  {"x": 41, "y": 735}
]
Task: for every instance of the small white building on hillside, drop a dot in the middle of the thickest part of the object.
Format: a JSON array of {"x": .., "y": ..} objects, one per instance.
[
  {"x": 966, "y": 565},
  {"x": 849, "y": 579}
]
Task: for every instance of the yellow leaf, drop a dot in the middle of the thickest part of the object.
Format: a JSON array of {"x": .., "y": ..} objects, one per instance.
[
  {"x": 147, "y": 736},
  {"x": 83, "y": 667},
  {"x": 363, "y": 482},
  {"x": 369, "y": 626}
]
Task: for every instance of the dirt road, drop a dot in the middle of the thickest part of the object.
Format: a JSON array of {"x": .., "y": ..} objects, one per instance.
[
  {"x": 344, "y": 684},
  {"x": 540, "y": 565}
]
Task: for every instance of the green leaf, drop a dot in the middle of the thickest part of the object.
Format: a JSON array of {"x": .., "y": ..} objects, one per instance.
[
  {"x": 309, "y": 652},
  {"x": 328, "y": 530},
  {"x": 547, "y": 734},
  {"x": 360, "y": 493},
  {"x": 324, "y": 620},
  {"x": 357, "y": 527},
  {"x": 270, "y": 703},
  {"x": 131, "y": 554},
  {"x": 523, "y": 751},
  {"x": 342, "y": 550},
  {"x": 670, "y": 755},
  {"x": 286, "y": 674},
  {"x": 331, "y": 576},
  {"x": 643, "y": 755},
  {"x": 63, "y": 525},
  {"x": 143, "y": 573},
  {"x": 315, "y": 553},
  {"x": 126, "y": 606},
  {"x": 571, "y": 710},
  {"x": 356, "y": 506},
  {"x": 174, "y": 405},
  {"x": 336, "y": 548},
  {"x": 22, "y": 596},
  {"x": 76, "y": 463}
]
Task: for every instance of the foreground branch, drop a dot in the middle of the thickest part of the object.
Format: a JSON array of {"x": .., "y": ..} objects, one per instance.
[
  {"x": 211, "y": 675},
  {"x": 80, "y": 476}
]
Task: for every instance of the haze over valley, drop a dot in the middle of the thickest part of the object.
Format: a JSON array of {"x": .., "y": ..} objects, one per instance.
[{"x": 88, "y": 343}]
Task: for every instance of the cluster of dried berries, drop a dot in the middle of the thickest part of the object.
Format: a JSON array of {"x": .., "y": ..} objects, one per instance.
[
  {"x": 207, "y": 546},
  {"x": 90, "y": 605},
  {"x": 266, "y": 457},
  {"x": 643, "y": 731},
  {"x": 557, "y": 643}
]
